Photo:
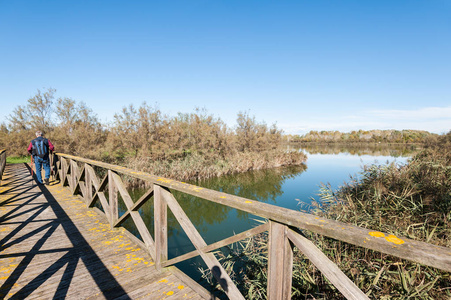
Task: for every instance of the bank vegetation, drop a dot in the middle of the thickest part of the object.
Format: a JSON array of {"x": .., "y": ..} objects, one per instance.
[{"x": 183, "y": 147}]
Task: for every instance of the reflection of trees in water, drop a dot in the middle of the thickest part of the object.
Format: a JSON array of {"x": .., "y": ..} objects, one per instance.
[
  {"x": 394, "y": 150},
  {"x": 261, "y": 185}
]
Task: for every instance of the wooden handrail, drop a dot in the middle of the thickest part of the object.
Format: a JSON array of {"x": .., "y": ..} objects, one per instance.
[
  {"x": 2, "y": 162},
  {"x": 86, "y": 183}
]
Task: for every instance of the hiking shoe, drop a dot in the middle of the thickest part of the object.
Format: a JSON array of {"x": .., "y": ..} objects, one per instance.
[{"x": 46, "y": 181}]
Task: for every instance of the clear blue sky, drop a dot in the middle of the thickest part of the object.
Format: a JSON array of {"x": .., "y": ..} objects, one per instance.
[{"x": 307, "y": 65}]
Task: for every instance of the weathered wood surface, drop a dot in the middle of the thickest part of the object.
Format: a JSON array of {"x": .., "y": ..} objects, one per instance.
[
  {"x": 53, "y": 246},
  {"x": 280, "y": 262},
  {"x": 424, "y": 253}
]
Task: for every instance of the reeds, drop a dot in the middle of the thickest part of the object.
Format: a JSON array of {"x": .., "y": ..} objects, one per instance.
[
  {"x": 202, "y": 166},
  {"x": 413, "y": 200}
]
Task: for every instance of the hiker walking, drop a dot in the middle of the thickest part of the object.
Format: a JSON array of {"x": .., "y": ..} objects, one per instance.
[{"x": 40, "y": 148}]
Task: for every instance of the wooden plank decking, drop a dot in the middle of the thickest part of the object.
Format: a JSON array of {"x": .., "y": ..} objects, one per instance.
[{"x": 53, "y": 247}]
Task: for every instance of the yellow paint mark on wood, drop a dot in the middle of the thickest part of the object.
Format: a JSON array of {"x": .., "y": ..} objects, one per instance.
[
  {"x": 248, "y": 201},
  {"x": 223, "y": 197},
  {"x": 376, "y": 234}
]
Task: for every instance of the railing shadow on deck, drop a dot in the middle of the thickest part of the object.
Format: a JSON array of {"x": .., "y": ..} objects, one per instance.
[
  {"x": 283, "y": 226},
  {"x": 80, "y": 251}
]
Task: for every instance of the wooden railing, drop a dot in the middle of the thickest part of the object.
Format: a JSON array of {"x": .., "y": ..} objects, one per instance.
[
  {"x": 283, "y": 226},
  {"x": 2, "y": 162}
]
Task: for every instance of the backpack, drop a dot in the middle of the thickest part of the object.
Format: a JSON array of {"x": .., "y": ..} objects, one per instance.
[{"x": 40, "y": 147}]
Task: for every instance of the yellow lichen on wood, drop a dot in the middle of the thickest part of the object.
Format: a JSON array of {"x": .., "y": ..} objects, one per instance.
[
  {"x": 376, "y": 234},
  {"x": 390, "y": 238},
  {"x": 164, "y": 180},
  {"x": 393, "y": 239}
]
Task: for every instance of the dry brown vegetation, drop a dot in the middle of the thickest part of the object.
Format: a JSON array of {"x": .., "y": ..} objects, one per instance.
[{"x": 186, "y": 146}]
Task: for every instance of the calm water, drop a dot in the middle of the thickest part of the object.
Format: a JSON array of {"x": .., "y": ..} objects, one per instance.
[{"x": 281, "y": 186}]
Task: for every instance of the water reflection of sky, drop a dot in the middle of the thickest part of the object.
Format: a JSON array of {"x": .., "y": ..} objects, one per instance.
[
  {"x": 285, "y": 186},
  {"x": 333, "y": 169}
]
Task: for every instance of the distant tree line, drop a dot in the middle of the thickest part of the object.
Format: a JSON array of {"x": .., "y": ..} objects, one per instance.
[{"x": 364, "y": 136}]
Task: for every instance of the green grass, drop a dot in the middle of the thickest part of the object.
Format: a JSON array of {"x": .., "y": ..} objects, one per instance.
[{"x": 18, "y": 159}]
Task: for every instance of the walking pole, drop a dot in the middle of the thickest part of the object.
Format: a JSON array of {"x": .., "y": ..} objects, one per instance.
[
  {"x": 31, "y": 166},
  {"x": 52, "y": 173}
]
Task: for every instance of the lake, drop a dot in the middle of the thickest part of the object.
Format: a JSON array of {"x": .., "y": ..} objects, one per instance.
[{"x": 286, "y": 187}]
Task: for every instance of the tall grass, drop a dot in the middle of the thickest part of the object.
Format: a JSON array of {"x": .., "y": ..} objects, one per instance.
[
  {"x": 413, "y": 200},
  {"x": 201, "y": 166}
]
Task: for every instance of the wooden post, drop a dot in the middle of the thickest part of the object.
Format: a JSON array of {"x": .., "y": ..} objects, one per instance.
[
  {"x": 63, "y": 174},
  {"x": 113, "y": 199},
  {"x": 88, "y": 184},
  {"x": 161, "y": 227},
  {"x": 72, "y": 175},
  {"x": 75, "y": 176},
  {"x": 280, "y": 264},
  {"x": 2, "y": 163}
]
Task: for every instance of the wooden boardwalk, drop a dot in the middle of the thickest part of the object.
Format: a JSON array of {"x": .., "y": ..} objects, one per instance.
[{"x": 53, "y": 247}]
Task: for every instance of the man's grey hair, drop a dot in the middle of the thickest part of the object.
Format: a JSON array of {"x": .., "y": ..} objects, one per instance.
[{"x": 38, "y": 133}]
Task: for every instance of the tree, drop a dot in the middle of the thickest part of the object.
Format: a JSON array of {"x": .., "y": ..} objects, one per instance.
[
  {"x": 79, "y": 131},
  {"x": 36, "y": 114}
]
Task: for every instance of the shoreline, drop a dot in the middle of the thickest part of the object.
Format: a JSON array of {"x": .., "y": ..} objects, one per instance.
[{"x": 198, "y": 167}]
